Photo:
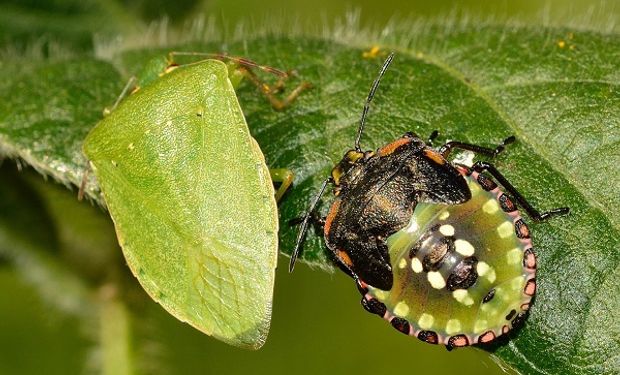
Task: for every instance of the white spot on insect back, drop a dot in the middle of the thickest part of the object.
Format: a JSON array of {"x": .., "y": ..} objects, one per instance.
[
  {"x": 401, "y": 309},
  {"x": 416, "y": 265},
  {"x": 490, "y": 207},
  {"x": 453, "y": 326},
  {"x": 444, "y": 215},
  {"x": 436, "y": 280},
  {"x": 517, "y": 283},
  {"x": 446, "y": 230},
  {"x": 484, "y": 270},
  {"x": 402, "y": 263},
  {"x": 462, "y": 296},
  {"x": 491, "y": 276},
  {"x": 426, "y": 321},
  {"x": 514, "y": 256},
  {"x": 464, "y": 248},
  {"x": 505, "y": 229},
  {"x": 480, "y": 325}
]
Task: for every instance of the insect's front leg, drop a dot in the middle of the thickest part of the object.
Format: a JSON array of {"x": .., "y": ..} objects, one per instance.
[
  {"x": 129, "y": 88},
  {"x": 284, "y": 177}
]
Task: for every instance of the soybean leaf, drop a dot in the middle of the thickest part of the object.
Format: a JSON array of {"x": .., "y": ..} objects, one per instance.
[{"x": 555, "y": 89}]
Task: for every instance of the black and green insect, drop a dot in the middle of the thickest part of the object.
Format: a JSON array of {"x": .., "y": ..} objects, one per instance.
[{"x": 435, "y": 247}]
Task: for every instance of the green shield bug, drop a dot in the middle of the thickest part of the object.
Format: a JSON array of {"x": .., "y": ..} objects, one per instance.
[{"x": 192, "y": 200}]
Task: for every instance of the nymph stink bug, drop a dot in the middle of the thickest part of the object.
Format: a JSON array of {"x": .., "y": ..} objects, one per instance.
[{"x": 436, "y": 248}]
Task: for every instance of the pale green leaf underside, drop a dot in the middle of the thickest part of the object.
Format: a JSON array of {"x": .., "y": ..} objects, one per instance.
[{"x": 192, "y": 201}]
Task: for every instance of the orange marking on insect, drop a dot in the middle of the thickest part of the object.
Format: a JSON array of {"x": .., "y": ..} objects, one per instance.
[
  {"x": 506, "y": 203},
  {"x": 462, "y": 170},
  {"x": 522, "y": 230},
  {"x": 330, "y": 216},
  {"x": 434, "y": 156},
  {"x": 431, "y": 339},
  {"x": 486, "y": 337},
  {"x": 388, "y": 149},
  {"x": 525, "y": 306},
  {"x": 530, "y": 287},
  {"x": 505, "y": 329},
  {"x": 459, "y": 341},
  {"x": 344, "y": 257},
  {"x": 529, "y": 259}
]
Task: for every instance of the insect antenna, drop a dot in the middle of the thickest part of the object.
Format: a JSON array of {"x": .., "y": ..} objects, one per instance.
[
  {"x": 304, "y": 224},
  {"x": 371, "y": 95}
]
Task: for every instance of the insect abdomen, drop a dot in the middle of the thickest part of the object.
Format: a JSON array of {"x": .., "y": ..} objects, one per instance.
[{"x": 464, "y": 273}]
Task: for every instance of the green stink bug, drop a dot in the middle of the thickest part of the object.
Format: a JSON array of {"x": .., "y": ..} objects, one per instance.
[{"x": 192, "y": 201}]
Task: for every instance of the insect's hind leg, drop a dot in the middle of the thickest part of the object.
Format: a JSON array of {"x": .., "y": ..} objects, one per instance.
[
  {"x": 246, "y": 68},
  {"x": 446, "y": 149},
  {"x": 269, "y": 91},
  {"x": 482, "y": 166}
]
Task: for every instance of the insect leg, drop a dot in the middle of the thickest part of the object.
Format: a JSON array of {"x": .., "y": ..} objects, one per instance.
[
  {"x": 84, "y": 181},
  {"x": 269, "y": 91},
  {"x": 432, "y": 137},
  {"x": 246, "y": 67},
  {"x": 127, "y": 90},
  {"x": 285, "y": 177},
  {"x": 482, "y": 166},
  {"x": 446, "y": 149},
  {"x": 304, "y": 224}
]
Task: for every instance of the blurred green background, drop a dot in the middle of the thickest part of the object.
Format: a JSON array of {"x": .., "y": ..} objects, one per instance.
[{"x": 318, "y": 325}]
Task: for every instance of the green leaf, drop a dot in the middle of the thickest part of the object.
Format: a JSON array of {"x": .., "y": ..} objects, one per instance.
[
  {"x": 555, "y": 89},
  {"x": 192, "y": 201},
  {"x": 48, "y": 107}
]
